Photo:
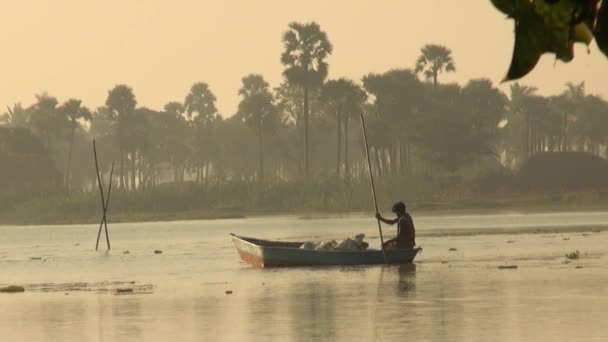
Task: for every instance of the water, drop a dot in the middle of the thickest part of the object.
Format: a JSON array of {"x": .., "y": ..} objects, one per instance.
[{"x": 180, "y": 295}]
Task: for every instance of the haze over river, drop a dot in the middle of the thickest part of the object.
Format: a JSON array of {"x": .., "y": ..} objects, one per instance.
[{"x": 180, "y": 295}]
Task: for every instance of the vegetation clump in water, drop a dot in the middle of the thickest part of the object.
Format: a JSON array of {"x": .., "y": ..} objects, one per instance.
[
  {"x": 574, "y": 255},
  {"x": 12, "y": 289}
]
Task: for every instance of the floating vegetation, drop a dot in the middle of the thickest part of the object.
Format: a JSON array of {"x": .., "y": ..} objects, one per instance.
[
  {"x": 158, "y": 251},
  {"x": 573, "y": 255},
  {"x": 124, "y": 291},
  {"x": 12, "y": 289},
  {"x": 507, "y": 267},
  {"x": 453, "y": 249},
  {"x": 228, "y": 292},
  {"x": 115, "y": 287}
]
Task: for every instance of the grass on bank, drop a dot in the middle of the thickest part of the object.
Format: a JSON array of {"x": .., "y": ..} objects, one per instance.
[{"x": 189, "y": 201}]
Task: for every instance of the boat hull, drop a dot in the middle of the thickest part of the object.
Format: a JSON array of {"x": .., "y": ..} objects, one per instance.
[{"x": 263, "y": 253}]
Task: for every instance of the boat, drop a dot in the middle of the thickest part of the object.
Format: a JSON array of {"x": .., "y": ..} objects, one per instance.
[{"x": 265, "y": 253}]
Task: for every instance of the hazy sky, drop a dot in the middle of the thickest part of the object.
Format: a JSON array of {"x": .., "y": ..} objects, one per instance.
[{"x": 82, "y": 48}]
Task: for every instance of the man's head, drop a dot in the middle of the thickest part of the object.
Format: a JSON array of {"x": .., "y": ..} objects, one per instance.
[{"x": 399, "y": 208}]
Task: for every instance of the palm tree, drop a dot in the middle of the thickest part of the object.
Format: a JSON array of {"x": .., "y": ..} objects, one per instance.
[
  {"x": 121, "y": 104},
  {"x": 200, "y": 108},
  {"x": 200, "y": 103},
  {"x": 397, "y": 99},
  {"x": 433, "y": 60},
  {"x": 74, "y": 111},
  {"x": 17, "y": 116},
  {"x": 257, "y": 109},
  {"x": 346, "y": 98},
  {"x": 176, "y": 131},
  {"x": 44, "y": 119},
  {"x": 306, "y": 48},
  {"x": 573, "y": 98},
  {"x": 520, "y": 116}
]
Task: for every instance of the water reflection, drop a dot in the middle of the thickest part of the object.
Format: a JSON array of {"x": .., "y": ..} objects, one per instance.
[
  {"x": 122, "y": 317},
  {"x": 407, "y": 280},
  {"x": 312, "y": 307}
]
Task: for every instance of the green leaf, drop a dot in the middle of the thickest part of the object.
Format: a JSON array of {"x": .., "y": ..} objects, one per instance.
[
  {"x": 541, "y": 27},
  {"x": 505, "y": 6},
  {"x": 529, "y": 46},
  {"x": 601, "y": 28}
]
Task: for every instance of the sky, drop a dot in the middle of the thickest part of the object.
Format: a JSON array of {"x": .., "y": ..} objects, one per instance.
[{"x": 82, "y": 48}]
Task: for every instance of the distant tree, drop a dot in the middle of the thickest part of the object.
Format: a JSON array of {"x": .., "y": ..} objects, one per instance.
[
  {"x": 572, "y": 100},
  {"x": 201, "y": 110},
  {"x": 75, "y": 113},
  {"x": 305, "y": 49},
  {"x": 200, "y": 104},
  {"x": 177, "y": 133},
  {"x": 121, "y": 105},
  {"x": 433, "y": 60},
  {"x": 175, "y": 109},
  {"x": 345, "y": 98},
  {"x": 257, "y": 110},
  {"x": 398, "y": 98},
  {"x": 16, "y": 116},
  {"x": 519, "y": 118},
  {"x": 27, "y": 169},
  {"x": 592, "y": 123},
  {"x": 462, "y": 126},
  {"x": 46, "y": 122}
]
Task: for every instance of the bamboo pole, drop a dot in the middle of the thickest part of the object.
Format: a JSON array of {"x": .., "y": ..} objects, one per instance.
[
  {"x": 104, "y": 201},
  {"x": 105, "y": 210},
  {"x": 371, "y": 177}
]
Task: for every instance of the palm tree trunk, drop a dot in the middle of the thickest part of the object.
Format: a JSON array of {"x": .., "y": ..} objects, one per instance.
[
  {"x": 122, "y": 162},
  {"x": 133, "y": 171},
  {"x": 339, "y": 143},
  {"x": 378, "y": 160},
  {"x": 261, "y": 142},
  {"x": 69, "y": 166},
  {"x": 564, "y": 142},
  {"x": 346, "y": 166},
  {"x": 306, "y": 142}
]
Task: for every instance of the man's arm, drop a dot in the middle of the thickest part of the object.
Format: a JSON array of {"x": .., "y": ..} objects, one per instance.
[{"x": 387, "y": 221}]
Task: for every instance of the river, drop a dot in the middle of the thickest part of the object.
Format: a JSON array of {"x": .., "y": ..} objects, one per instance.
[{"x": 197, "y": 289}]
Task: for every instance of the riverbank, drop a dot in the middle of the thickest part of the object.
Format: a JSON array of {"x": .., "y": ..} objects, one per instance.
[{"x": 84, "y": 210}]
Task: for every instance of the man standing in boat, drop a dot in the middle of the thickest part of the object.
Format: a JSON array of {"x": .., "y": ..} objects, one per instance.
[{"x": 406, "y": 233}]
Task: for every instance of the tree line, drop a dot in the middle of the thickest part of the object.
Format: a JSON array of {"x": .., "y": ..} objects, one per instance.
[{"x": 306, "y": 129}]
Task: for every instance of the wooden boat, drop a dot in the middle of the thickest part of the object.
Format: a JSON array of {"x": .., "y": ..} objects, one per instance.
[{"x": 264, "y": 253}]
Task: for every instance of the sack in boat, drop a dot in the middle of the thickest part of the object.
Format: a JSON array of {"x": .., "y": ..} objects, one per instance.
[
  {"x": 310, "y": 245},
  {"x": 354, "y": 243},
  {"x": 349, "y": 244},
  {"x": 326, "y": 245}
]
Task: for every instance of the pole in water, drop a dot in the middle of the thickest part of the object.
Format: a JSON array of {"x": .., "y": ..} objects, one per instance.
[
  {"x": 104, "y": 201},
  {"x": 371, "y": 177}
]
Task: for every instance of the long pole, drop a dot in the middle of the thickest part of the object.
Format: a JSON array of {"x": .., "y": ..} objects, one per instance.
[
  {"x": 104, "y": 201},
  {"x": 105, "y": 210},
  {"x": 371, "y": 177}
]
